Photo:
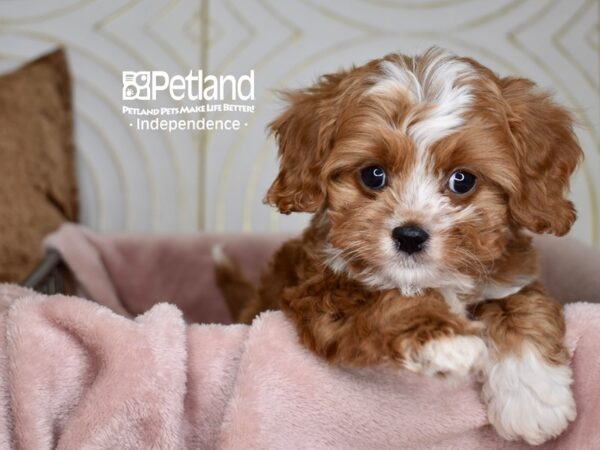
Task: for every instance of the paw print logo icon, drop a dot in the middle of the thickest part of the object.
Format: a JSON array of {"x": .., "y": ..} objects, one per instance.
[
  {"x": 136, "y": 85},
  {"x": 130, "y": 91}
]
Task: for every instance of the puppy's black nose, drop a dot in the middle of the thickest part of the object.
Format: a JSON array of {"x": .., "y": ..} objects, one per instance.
[{"x": 409, "y": 238}]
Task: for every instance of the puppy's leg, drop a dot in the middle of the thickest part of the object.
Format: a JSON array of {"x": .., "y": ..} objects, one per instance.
[
  {"x": 245, "y": 301},
  {"x": 528, "y": 378},
  {"x": 351, "y": 327},
  {"x": 235, "y": 287}
]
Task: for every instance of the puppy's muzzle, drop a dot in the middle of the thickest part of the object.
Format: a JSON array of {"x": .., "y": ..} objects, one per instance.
[{"x": 409, "y": 238}]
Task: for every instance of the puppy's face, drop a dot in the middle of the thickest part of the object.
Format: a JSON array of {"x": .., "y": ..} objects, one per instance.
[{"x": 424, "y": 168}]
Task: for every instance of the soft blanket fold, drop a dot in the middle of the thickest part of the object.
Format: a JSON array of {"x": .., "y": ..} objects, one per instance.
[
  {"x": 75, "y": 375},
  {"x": 131, "y": 272}
]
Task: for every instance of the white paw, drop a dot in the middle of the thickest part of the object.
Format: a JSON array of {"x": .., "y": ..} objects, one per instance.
[
  {"x": 528, "y": 398},
  {"x": 451, "y": 356}
]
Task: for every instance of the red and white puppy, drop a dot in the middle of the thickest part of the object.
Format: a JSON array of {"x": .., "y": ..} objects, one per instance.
[{"x": 423, "y": 174}]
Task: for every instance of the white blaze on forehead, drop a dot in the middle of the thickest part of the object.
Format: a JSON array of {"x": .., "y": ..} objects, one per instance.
[
  {"x": 441, "y": 84},
  {"x": 397, "y": 76},
  {"x": 440, "y": 91},
  {"x": 440, "y": 94}
]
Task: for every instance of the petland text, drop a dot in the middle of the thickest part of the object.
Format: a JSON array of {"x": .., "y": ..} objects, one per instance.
[{"x": 195, "y": 86}]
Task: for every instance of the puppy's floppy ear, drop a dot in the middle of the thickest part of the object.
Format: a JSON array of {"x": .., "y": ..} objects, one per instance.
[
  {"x": 546, "y": 153},
  {"x": 305, "y": 134}
]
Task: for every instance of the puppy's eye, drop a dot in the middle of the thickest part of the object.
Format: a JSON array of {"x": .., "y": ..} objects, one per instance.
[
  {"x": 373, "y": 177},
  {"x": 462, "y": 182}
]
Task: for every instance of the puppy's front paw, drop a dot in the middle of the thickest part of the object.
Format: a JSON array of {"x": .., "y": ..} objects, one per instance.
[
  {"x": 528, "y": 398},
  {"x": 448, "y": 356}
]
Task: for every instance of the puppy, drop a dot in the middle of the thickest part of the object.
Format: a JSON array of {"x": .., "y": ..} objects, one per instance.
[{"x": 424, "y": 175}]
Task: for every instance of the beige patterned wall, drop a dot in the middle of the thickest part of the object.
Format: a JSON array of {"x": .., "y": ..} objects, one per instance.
[{"x": 215, "y": 180}]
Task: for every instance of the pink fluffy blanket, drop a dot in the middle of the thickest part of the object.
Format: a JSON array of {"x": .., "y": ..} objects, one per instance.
[{"x": 74, "y": 374}]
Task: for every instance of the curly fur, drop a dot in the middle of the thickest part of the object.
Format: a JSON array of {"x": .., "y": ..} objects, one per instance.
[{"x": 357, "y": 301}]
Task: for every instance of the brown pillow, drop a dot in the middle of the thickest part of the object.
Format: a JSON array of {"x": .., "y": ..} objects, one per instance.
[{"x": 38, "y": 189}]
